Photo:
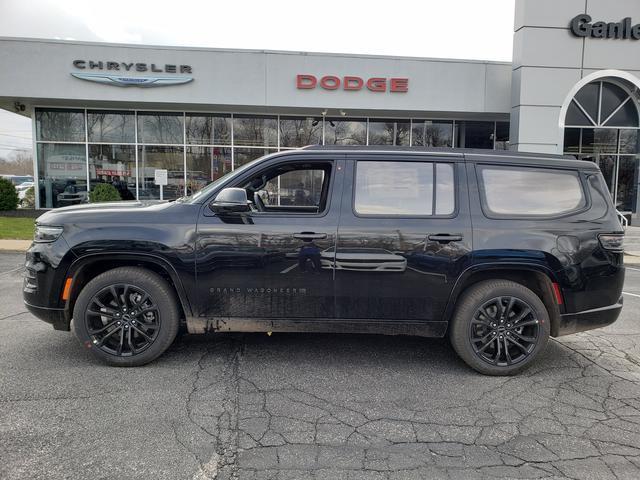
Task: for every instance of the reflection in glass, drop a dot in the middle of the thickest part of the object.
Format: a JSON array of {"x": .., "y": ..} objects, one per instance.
[
  {"x": 394, "y": 188},
  {"x": 430, "y": 133},
  {"x": 445, "y": 189},
  {"x": 629, "y": 141},
  {"x": 627, "y": 189},
  {"x": 599, "y": 140},
  {"x": 208, "y": 129},
  {"x": 160, "y": 128},
  {"x": 151, "y": 158},
  {"x": 388, "y": 132},
  {"x": 531, "y": 191},
  {"x": 245, "y": 155},
  {"x": 114, "y": 164},
  {"x": 345, "y": 132},
  {"x": 255, "y": 131},
  {"x": 205, "y": 164},
  {"x": 475, "y": 135},
  {"x": 60, "y": 125},
  {"x": 300, "y": 131},
  {"x": 572, "y": 141},
  {"x": 111, "y": 127},
  {"x": 62, "y": 174},
  {"x": 502, "y": 136}
]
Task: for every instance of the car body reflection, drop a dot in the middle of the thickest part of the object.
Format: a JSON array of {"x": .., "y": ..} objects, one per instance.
[{"x": 363, "y": 259}]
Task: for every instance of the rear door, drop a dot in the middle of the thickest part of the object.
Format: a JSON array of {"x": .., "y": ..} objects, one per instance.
[{"x": 404, "y": 236}]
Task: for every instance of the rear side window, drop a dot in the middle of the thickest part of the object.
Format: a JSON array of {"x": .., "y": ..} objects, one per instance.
[
  {"x": 404, "y": 188},
  {"x": 529, "y": 191}
]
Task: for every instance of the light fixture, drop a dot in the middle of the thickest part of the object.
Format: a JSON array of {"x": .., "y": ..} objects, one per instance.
[
  {"x": 324, "y": 112},
  {"x": 343, "y": 113}
]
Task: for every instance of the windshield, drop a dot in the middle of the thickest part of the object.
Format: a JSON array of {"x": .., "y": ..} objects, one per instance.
[{"x": 200, "y": 194}]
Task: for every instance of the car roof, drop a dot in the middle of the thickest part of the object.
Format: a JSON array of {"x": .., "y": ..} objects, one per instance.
[{"x": 464, "y": 154}]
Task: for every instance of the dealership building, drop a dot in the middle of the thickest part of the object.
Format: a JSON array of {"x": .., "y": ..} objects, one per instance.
[{"x": 107, "y": 113}]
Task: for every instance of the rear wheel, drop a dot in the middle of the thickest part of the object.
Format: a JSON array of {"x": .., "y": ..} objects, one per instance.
[
  {"x": 126, "y": 316},
  {"x": 499, "y": 327}
]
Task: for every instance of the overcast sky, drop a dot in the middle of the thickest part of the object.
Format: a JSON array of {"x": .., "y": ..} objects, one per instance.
[{"x": 469, "y": 29}]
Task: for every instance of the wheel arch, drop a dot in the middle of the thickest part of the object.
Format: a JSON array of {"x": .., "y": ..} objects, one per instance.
[
  {"x": 87, "y": 267},
  {"x": 535, "y": 277}
]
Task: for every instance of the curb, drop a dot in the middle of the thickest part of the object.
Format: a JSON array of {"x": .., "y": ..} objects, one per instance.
[{"x": 14, "y": 245}]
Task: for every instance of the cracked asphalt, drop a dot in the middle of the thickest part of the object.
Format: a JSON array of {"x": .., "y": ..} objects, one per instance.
[{"x": 314, "y": 406}]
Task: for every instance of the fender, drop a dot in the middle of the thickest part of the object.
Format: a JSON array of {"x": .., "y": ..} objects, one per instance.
[
  {"x": 84, "y": 261},
  {"x": 514, "y": 266}
]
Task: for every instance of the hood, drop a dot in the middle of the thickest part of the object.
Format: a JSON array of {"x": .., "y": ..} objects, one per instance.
[{"x": 95, "y": 211}]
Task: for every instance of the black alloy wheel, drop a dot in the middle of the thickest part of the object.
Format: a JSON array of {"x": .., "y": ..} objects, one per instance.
[
  {"x": 504, "y": 331},
  {"x": 127, "y": 316},
  {"x": 499, "y": 327},
  {"x": 122, "y": 320}
]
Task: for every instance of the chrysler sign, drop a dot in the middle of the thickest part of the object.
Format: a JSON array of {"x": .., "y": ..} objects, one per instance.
[
  {"x": 352, "y": 83},
  {"x": 117, "y": 73}
]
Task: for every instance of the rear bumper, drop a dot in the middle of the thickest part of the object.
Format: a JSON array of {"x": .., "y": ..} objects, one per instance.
[
  {"x": 54, "y": 316},
  {"x": 589, "y": 319}
]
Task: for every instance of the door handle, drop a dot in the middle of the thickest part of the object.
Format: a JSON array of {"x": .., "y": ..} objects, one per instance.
[
  {"x": 445, "y": 237},
  {"x": 309, "y": 236}
]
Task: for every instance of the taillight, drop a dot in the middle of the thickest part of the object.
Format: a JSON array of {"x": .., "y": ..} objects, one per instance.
[{"x": 612, "y": 241}]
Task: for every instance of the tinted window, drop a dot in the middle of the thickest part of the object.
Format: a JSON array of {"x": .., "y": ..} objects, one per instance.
[
  {"x": 300, "y": 188},
  {"x": 255, "y": 131},
  {"x": 530, "y": 191},
  {"x": 300, "y": 131},
  {"x": 388, "y": 132},
  {"x": 208, "y": 129},
  {"x": 404, "y": 188},
  {"x": 345, "y": 132}
]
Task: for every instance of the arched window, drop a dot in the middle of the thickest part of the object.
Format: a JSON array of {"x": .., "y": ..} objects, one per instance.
[
  {"x": 602, "y": 104},
  {"x": 602, "y": 125}
]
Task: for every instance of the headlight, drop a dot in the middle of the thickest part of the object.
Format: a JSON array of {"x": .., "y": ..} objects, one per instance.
[{"x": 46, "y": 233}]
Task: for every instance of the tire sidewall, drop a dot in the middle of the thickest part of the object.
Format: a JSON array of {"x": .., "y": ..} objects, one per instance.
[
  {"x": 468, "y": 304},
  {"x": 160, "y": 292}
]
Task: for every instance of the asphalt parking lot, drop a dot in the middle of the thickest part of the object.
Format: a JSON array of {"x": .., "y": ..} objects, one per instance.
[{"x": 314, "y": 406}]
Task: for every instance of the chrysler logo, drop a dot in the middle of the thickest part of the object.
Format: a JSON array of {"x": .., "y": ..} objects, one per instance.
[{"x": 123, "y": 81}]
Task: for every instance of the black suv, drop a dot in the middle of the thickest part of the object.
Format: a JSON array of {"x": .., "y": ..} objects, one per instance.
[{"x": 497, "y": 250}]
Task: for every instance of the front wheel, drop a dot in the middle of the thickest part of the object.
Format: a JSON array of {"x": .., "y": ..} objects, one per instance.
[
  {"x": 126, "y": 316},
  {"x": 499, "y": 327}
]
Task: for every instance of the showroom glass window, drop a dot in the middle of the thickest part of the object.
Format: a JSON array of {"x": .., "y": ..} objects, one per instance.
[
  {"x": 432, "y": 133},
  {"x": 61, "y": 153},
  {"x": 389, "y": 132},
  {"x": 300, "y": 131},
  {"x": 161, "y": 128},
  {"x": 338, "y": 131},
  {"x": 602, "y": 126}
]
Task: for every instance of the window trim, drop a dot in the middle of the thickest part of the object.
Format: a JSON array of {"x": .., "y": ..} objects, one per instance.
[
  {"x": 433, "y": 161},
  {"x": 488, "y": 213}
]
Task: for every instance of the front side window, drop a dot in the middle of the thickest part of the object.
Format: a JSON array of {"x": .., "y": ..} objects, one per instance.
[
  {"x": 529, "y": 191},
  {"x": 404, "y": 188},
  {"x": 290, "y": 188}
]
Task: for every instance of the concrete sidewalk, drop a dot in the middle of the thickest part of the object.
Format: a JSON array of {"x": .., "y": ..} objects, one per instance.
[{"x": 14, "y": 245}]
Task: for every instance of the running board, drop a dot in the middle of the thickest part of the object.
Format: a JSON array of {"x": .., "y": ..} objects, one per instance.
[{"x": 417, "y": 328}]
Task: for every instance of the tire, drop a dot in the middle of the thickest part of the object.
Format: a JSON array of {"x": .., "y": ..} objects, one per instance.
[
  {"x": 128, "y": 309},
  {"x": 480, "y": 330}
]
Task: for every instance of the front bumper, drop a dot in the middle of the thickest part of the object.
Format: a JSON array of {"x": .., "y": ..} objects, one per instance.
[
  {"x": 589, "y": 319},
  {"x": 54, "y": 316}
]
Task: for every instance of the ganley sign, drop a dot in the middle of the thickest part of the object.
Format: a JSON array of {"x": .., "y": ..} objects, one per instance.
[
  {"x": 581, "y": 26},
  {"x": 124, "y": 80}
]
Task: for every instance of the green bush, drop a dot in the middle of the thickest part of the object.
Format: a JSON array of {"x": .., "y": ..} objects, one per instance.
[
  {"x": 8, "y": 195},
  {"x": 29, "y": 199},
  {"x": 104, "y": 192}
]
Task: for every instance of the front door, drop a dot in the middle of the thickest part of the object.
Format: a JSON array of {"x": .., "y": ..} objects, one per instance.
[
  {"x": 404, "y": 238},
  {"x": 271, "y": 262}
]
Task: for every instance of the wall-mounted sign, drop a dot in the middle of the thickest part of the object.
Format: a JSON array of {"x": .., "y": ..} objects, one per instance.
[
  {"x": 125, "y": 80},
  {"x": 352, "y": 83},
  {"x": 581, "y": 26}
]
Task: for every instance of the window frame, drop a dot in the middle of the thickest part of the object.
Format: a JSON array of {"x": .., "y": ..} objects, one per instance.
[
  {"x": 332, "y": 162},
  {"x": 433, "y": 161},
  {"x": 488, "y": 213}
]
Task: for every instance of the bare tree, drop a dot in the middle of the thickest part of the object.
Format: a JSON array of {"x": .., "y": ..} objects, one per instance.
[{"x": 19, "y": 162}]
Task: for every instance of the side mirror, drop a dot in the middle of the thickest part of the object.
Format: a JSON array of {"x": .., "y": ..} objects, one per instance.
[{"x": 229, "y": 201}]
